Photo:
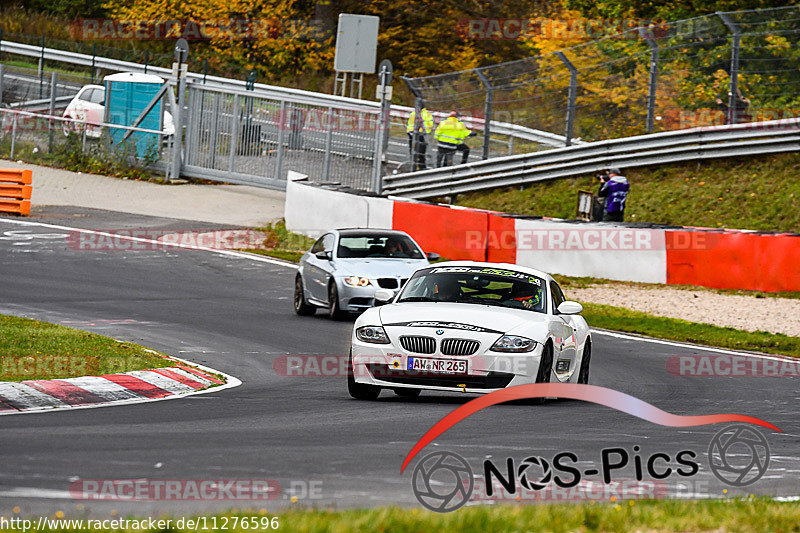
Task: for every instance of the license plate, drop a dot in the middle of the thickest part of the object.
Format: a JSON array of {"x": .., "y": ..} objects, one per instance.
[{"x": 438, "y": 366}]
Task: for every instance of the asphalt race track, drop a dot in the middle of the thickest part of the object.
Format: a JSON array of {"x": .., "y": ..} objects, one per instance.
[{"x": 235, "y": 314}]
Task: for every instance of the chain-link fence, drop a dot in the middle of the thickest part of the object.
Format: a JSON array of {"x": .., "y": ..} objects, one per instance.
[{"x": 717, "y": 69}]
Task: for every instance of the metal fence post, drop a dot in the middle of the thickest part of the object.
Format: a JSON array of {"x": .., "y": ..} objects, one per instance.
[
  {"x": 2, "y": 75},
  {"x": 94, "y": 58},
  {"x": 146, "y": 60},
  {"x": 41, "y": 72},
  {"x": 647, "y": 35},
  {"x": 13, "y": 136},
  {"x": 52, "y": 110},
  {"x": 573, "y": 91},
  {"x": 487, "y": 111},
  {"x": 733, "y": 91},
  {"x": 281, "y": 126},
  {"x": 326, "y": 170},
  {"x": 233, "y": 145}
]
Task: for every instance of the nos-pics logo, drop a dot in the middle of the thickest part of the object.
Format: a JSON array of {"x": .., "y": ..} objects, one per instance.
[{"x": 443, "y": 481}]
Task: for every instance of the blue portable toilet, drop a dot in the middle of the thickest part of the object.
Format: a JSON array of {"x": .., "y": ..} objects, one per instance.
[{"x": 127, "y": 95}]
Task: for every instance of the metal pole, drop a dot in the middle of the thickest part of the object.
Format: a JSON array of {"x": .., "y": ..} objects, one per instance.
[
  {"x": 178, "y": 119},
  {"x": 146, "y": 60},
  {"x": 205, "y": 70},
  {"x": 281, "y": 126},
  {"x": 2, "y": 73},
  {"x": 234, "y": 132},
  {"x": 52, "y": 110},
  {"x": 41, "y": 72},
  {"x": 647, "y": 35},
  {"x": 487, "y": 110},
  {"x": 94, "y": 56},
  {"x": 13, "y": 136},
  {"x": 418, "y": 131},
  {"x": 326, "y": 170},
  {"x": 733, "y": 91},
  {"x": 573, "y": 91},
  {"x": 383, "y": 137}
]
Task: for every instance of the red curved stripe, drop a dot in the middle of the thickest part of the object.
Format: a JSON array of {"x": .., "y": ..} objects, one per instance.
[{"x": 588, "y": 393}]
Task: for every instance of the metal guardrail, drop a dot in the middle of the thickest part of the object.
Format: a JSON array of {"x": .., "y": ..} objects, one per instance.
[
  {"x": 756, "y": 138},
  {"x": 262, "y": 90}
]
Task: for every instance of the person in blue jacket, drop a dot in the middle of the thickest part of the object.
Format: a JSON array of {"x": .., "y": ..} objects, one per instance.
[{"x": 614, "y": 188}]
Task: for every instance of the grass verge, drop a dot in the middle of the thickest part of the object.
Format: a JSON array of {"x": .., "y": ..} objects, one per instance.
[
  {"x": 573, "y": 282},
  {"x": 621, "y": 319},
  {"x": 30, "y": 349},
  {"x": 729, "y": 515},
  {"x": 282, "y": 243},
  {"x": 760, "y": 193}
]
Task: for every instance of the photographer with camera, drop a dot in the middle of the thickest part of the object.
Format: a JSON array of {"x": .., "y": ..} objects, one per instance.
[{"x": 614, "y": 188}]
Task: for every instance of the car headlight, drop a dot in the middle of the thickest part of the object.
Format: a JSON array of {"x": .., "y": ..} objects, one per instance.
[
  {"x": 373, "y": 334},
  {"x": 513, "y": 344},
  {"x": 357, "y": 281}
]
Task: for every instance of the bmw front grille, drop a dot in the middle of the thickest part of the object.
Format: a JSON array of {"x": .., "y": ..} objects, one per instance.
[
  {"x": 459, "y": 346},
  {"x": 418, "y": 344}
]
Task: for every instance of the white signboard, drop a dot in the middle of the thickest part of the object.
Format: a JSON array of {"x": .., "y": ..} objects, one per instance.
[{"x": 356, "y": 43}]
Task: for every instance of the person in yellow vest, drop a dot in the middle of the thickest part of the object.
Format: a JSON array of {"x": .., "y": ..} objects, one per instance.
[
  {"x": 450, "y": 136},
  {"x": 418, "y": 158}
]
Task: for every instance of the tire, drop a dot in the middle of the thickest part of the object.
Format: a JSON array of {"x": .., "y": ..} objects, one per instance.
[
  {"x": 360, "y": 391},
  {"x": 545, "y": 369},
  {"x": 66, "y": 127},
  {"x": 301, "y": 306},
  {"x": 333, "y": 303},
  {"x": 583, "y": 374},
  {"x": 408, "y": 393}
]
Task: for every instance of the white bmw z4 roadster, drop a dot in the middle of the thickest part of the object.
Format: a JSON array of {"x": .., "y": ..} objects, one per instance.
[{"x": 471, "y": 327}]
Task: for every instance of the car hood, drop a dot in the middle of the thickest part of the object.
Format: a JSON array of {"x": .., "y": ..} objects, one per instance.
[
  {"x": 378, "y": 268},
  {"x": 455, "y": 315}
]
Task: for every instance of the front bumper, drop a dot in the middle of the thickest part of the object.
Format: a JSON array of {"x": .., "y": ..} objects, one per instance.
[
  {"x": 386, "y": 365},
  {"x": 355, "y": 299}
]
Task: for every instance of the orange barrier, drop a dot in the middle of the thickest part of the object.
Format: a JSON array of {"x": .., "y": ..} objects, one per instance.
[
  {"x": 15, "y": 191},
  {"x": 734, "y": 260}
]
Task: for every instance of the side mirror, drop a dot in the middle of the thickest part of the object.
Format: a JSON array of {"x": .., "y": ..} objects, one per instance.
[
  {"x": 570, "y": 308},
  {"x": 432, "y": 256},
  {"x": 383, "y": 296},
  {"x": 323, "y": 254}
]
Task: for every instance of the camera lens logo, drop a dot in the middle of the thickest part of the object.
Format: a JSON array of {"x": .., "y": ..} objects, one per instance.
[
  {"x": 738, "y": 455},
  {"x": 442, "y": 482},
  {"x": 527, "y": 469}
]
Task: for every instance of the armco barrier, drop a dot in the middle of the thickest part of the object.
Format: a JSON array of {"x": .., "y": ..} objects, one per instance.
[
  {"x": 726, "y": 259},
  {"x": 15, "y": 191}
]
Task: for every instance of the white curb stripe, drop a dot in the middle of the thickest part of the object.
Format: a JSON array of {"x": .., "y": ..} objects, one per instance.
[
  {"x": 26, "y": 397},
  {"x": 189, "y": 375},
  {"x": 104, "y": 388},
  {"x": 162, "y": 382}
]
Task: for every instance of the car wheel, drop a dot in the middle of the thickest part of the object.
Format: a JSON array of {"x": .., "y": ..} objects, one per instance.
[
  {"x": 360, "y": 391},
  {"x": 66, "y": 127},
  {"x": 301, "y": 306},
  {"x": 408, "y": 393},
  {"x": 545, "y": 368},
  {"x": 583, "y": 375},
  {"x": 333, "y": 303}
]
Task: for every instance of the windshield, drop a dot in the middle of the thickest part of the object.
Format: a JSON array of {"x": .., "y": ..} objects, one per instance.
[
  {"x": 386, "y": 246},
  {"x": 476, "y": 285}
]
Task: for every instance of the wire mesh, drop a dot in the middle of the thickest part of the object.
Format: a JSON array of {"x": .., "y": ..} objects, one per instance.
[{"x": 693, "y": 65}]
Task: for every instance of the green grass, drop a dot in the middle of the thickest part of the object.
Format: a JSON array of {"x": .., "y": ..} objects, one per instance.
[
  {"x": 282, "y": 243},
  {"x": 30, "y": 349},
  {"x": 572, "y": 282},
  {"x": 760, "y": 193},
  {"x": 621, "y": 319},
  {"x": 729, "y": 515}
]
